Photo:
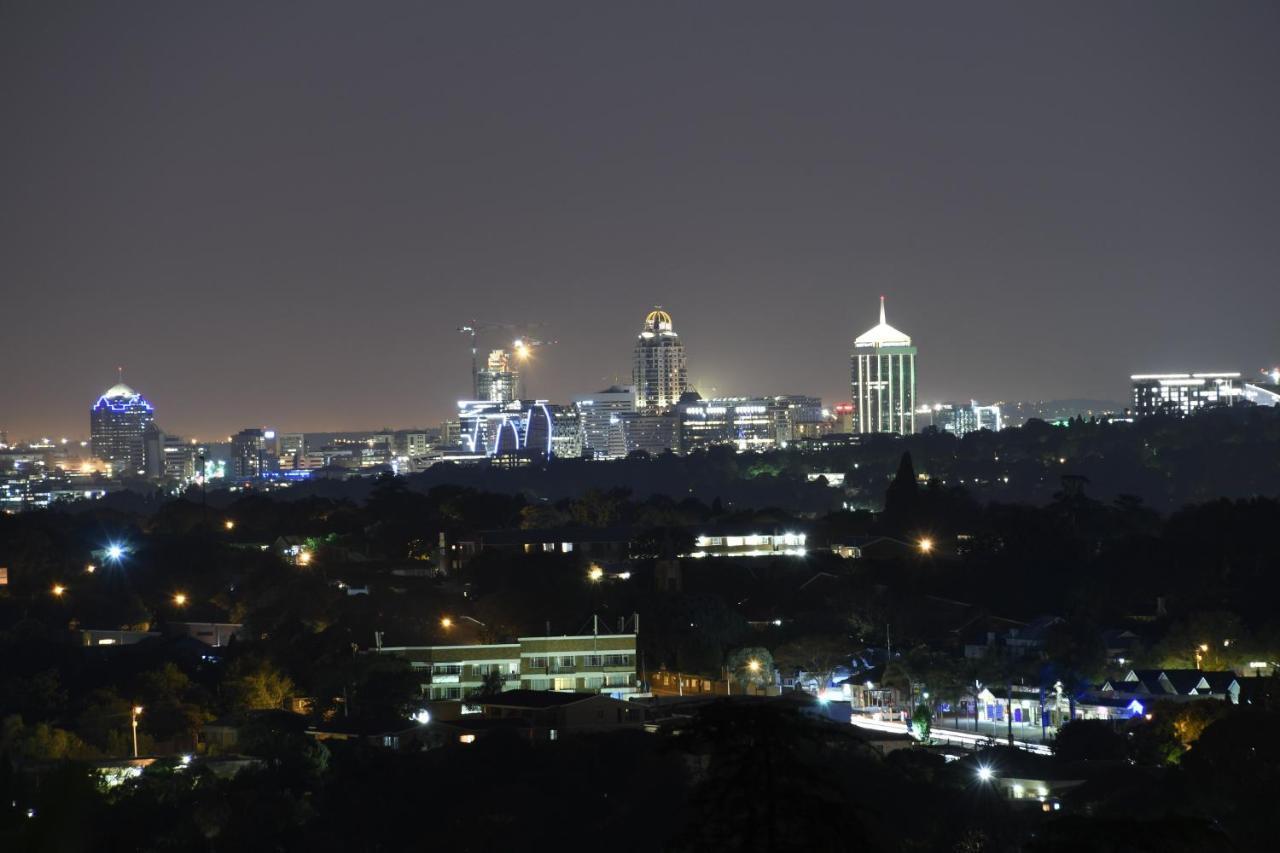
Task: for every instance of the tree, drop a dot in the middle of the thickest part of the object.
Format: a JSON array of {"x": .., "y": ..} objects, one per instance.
[
  {"x": 40, "y": 742},
  {"x": 818, "y": 655},
  {"x": 902, "y": 497},
  {"x": 1174, "y": 728},
  {"x": 751, "y": 666},
  {"x": 1089, "y": 740},
  {"x": 254, "y": 683},
  {"x": 1077, "y": 655},
  {"x": 922, "y": 721},
  {"x": 490, "y": 685}
]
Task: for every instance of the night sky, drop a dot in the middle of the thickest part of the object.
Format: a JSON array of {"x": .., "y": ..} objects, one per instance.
[{"x": 277, "y": 214}]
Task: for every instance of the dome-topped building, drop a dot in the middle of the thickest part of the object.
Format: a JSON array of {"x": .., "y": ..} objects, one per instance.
[
  {"x": 660, "y": 373},
  {"x": 117, "y": 423},
  {"x": 884, "y": 380}
]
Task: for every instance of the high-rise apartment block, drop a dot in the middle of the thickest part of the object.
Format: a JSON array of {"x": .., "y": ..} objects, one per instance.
[{"x": 659, "y": 372}]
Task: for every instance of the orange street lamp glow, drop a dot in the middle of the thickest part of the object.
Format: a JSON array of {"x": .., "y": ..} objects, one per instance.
[
  {"x": 753, "y": 665},
  {"x": 229, "y": 524},
  {"x": 59, "y": 589},
  {"x": 446, "y": 623},
  {"x": 180, "y": 599},
  {"x": 595, "y": 573},
  {"x": 304, "y": 558},
  {"x": 91, "y": 568},
  {"x": 925, "y": 545}
]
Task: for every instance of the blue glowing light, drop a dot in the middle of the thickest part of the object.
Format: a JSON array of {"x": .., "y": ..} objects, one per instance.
[{"x": 115, "y": 552}]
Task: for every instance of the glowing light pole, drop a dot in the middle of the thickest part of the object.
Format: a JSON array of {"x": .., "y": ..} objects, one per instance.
[{"x": 135, "y": 712}]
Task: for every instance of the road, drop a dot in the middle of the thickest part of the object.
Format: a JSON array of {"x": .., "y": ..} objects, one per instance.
[{"x": 965, "y": 739}]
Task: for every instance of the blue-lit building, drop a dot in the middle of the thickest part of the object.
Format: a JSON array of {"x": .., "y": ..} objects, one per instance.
[
  {"x": 533, "y": 429},
  {"x": 118, "y": 424}
]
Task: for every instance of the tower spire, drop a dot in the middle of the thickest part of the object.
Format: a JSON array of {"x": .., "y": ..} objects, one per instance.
[{"x": 882, "y": 321}]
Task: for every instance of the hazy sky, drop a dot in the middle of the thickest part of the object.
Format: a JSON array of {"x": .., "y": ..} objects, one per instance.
[{"x": 278, "y": 213}]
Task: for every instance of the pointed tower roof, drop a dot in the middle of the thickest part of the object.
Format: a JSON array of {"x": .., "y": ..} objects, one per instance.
[{"x": 882, "y": 335}]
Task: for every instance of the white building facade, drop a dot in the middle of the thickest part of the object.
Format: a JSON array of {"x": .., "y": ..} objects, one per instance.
[{"x": 884, "y": 380}]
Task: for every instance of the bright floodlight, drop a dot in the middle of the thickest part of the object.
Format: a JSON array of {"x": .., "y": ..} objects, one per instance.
[
  {"x": 422, "y": 717},
  {"x": 115, "y": 552},
  {"x": 984, "y": 773},
  {"x": 925, "y": 545},
  {"x": 753, "y": 665},
  {"x": 595, "y": 573}
]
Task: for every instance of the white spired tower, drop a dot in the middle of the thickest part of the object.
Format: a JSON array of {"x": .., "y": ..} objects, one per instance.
[
  {"x": 659, "y": 373},
  {"x": 884, "y": 380}
]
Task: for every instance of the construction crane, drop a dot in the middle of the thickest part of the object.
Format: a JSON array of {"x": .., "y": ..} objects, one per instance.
[
  {"x": 522, "y": 349},
  {"x": 473, "y": 328}
]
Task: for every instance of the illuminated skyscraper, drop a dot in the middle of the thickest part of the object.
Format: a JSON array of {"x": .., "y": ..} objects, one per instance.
[
  {"x": 497, "y": 382},
  {"x": 660, "y": 373},
  {"x": 117, "y": 427},
  {"x": 884, "y": 380}
]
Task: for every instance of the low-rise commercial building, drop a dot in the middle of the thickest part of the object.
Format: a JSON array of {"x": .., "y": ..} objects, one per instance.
[{"x": 595, "y": 663}]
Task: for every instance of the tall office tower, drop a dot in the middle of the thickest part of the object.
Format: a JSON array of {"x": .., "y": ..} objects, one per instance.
[
  {"x": 249, "y": 454},
  {"x": 1183, "y": 393},
  {"x": 497, "y": 383},
  {"x": 884, "y": 380},
  {"x": 660, "y": 373},
  {"x": 599, "y": 416},
  {"x": 117, "y": 427}
]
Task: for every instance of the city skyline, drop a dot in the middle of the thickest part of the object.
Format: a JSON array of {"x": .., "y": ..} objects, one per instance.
[{"x": 1085, "y": 214}]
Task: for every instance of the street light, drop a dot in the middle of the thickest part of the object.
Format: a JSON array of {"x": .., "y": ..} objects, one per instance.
[
  {"x": 984, "y": 773},
  {"x": 133, "y": 720},
  {"x": 180, "y": 599},
  {"x": 115, "y": 552},
  {"x": 304, "y": 558},
  {"x": 229, "y": 524},
  {"x": 446, "y": 623},
  {"x": 753, "y": 665},
  {"x": 59, "y": 589},
  {"x": 925, "y": 545},
  {"x": 90, "y": 568},
  {"x": 594, "y": 574}
]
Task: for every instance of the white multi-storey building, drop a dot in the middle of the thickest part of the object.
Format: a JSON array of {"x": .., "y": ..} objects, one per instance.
[
  {"x": 884, "y": 380},
  {"x": 600, "y": 420},
  {"x": 1182, "y": 393}
]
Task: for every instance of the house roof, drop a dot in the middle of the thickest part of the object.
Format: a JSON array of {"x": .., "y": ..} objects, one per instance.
[
  {"x": 1179, "y": 682},
  {"x": 533, "y": 699},
  {"x": 366, "y": 726}
]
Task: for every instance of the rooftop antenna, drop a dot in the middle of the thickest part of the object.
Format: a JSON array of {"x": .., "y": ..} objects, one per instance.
[
  {"x": 120, "y": 374},
  {"x": 882, "y": 322}
]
